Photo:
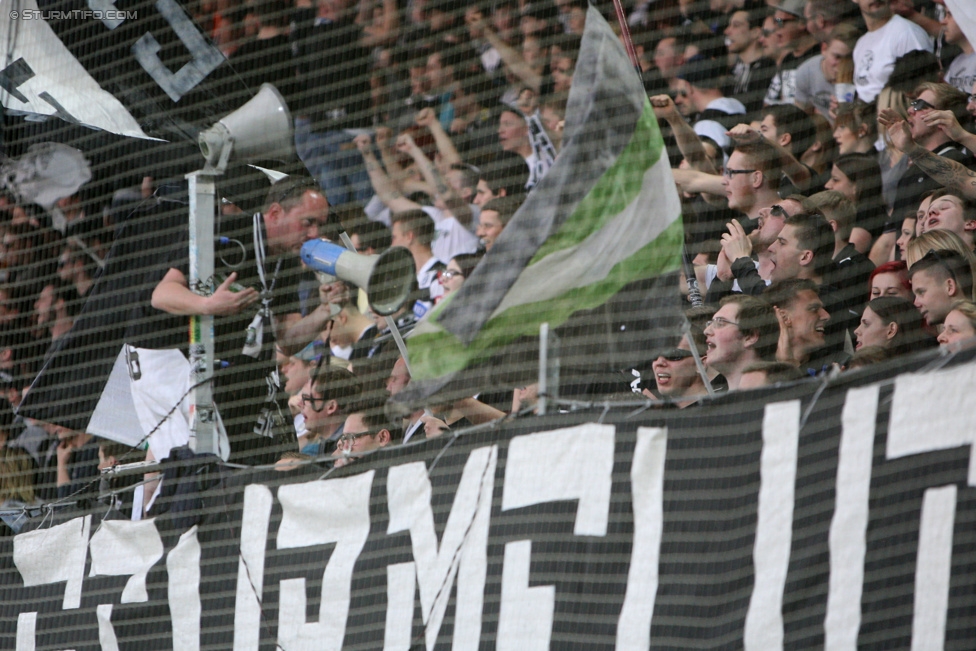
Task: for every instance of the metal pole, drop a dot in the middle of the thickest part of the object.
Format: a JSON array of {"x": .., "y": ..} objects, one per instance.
[
  {"x": 203, "y": 433},
  {"x": 543, "y": 369}
]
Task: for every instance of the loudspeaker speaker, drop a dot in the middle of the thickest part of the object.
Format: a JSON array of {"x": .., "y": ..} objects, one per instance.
[
  {"x": 389, "y": 278},
  {"x": 261, "y": 129}
]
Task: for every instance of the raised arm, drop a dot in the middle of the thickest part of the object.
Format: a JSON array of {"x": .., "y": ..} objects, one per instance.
[
  {"x": 698, "y": 182},
  {"x": 947, "y": 172},
  {"x": 391, "y": 197},
  {"x": 688, "y": 141},
  {"x": 386, "y": 31},
  {"x": 445, "y": 146},
  {"x": 173, "y": 295},
  {"x": 509, "y": 55},
  {"x": 458, "y": 206}
]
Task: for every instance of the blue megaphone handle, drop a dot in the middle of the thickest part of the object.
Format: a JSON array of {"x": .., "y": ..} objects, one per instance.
[{"x": 322, "y": 256}]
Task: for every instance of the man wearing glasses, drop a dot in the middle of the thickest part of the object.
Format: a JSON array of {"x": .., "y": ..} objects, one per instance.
[
  {"x": 889, "y": 37},
  {"x": 747, "y": 257},
  {"x": 743, "y": 331},
  {"x": 326, "y": 399},
  {"x": 363, "y": 431}
]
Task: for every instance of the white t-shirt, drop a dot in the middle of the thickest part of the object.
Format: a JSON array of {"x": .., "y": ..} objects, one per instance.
[
  {"x": 451, "y": 238},
  {"x": 876, "y": 52},
  {"x": 961, "y": 73},
  {"x": 427, "y": 279}
]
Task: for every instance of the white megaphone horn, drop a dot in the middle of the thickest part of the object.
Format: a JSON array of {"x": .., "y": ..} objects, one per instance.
[
  {"x": 261, "y": 129},
  {"x": 389, "y": 278}
]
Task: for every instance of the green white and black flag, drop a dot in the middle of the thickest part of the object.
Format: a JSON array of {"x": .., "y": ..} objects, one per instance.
[{"x": 606, "y": 215}]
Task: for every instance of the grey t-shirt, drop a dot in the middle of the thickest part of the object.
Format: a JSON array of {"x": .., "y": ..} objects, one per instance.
[
  {"x": 812, "y": 88},
  {"x": 961, "y": 73}
]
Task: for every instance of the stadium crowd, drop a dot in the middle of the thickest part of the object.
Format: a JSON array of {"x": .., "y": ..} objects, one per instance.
[{"x": 822, "y": 149}]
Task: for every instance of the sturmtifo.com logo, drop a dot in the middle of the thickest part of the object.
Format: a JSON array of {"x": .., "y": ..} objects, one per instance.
[{"x": 73, "y": 14}]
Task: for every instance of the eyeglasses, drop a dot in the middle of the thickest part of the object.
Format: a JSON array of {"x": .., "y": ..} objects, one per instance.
[
  {"x": 318, "y": 404},
  {"x": 778, "y": 211},
  {"x": 674, "y": 355},
  {"x": 729, "y": 172},
  {"x": 352, "y": 438},
  {"x": 447, "y": 274},
  {"x": 782, "y": 21},
  {"x": 718, "y": 322},
  {"x": 921, "y": 105}
]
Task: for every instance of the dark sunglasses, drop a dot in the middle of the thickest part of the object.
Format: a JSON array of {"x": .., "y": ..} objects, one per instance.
[
  {"x": 674, "y": 354},
  {"x": 920, "y": 105}
]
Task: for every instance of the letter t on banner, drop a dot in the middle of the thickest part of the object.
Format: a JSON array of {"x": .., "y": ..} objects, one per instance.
[
  {"x": 568, "y": 464},
  {"x": 935, "y": 399},
  {"x": 774, "y": 529}
]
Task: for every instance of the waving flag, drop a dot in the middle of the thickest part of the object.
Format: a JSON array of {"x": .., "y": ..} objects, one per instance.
[{"x": 606, "y": 214}]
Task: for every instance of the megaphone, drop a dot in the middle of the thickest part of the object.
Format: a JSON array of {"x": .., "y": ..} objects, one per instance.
[
  {"x": 389, "y": 278},
  {"x": 260, "y": 129}
]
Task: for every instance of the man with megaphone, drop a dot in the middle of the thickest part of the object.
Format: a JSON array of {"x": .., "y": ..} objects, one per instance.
[{"x": 256, "y": 302}]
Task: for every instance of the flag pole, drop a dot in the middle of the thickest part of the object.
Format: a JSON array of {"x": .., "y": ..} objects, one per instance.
[{"x": 694, "y": 293}]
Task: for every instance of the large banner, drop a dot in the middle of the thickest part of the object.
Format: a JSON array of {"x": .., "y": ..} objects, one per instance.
[{"x": 834, "y": 516}]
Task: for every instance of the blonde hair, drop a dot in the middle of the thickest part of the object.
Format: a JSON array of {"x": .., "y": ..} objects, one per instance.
[
  {"x": 934, "y": 240},
  {"x": 937, "y": 240},
  {"x": 967, "y": 309},
  {"x": 16, "y": 476},
  {"x": 895, "y": 100}
]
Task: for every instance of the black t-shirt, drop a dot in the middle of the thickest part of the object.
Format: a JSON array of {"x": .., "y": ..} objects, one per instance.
[
  {"x": 850, "y": 277},
  {"x": 335, "y": 70},
  {"x": 751, "y": 81},
  {"x": 248, "y": 400}
]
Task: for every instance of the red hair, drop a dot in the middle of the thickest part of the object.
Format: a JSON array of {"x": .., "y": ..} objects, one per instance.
[{"x": 893, "y": 267}]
